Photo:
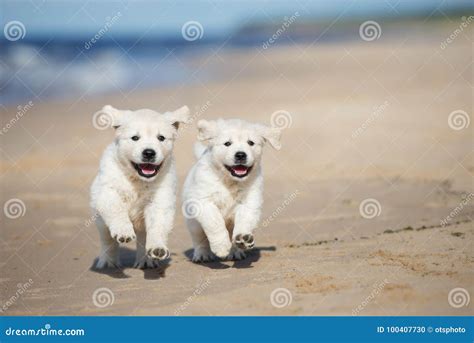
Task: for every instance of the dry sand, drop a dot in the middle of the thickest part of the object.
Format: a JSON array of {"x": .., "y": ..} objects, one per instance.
[{"x": 329, "y": 259}]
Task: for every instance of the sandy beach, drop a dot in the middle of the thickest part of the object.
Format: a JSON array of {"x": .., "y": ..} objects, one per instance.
[{"x": 367, "y": 124}]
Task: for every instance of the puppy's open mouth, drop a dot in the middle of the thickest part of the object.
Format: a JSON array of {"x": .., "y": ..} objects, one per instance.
[
  {"x": 239, "y": 170},
  {"x": 146, "y": 169}
]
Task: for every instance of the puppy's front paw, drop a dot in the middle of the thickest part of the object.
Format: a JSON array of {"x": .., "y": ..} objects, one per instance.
[
  {"x": 202, "y": 255},
  {"x": 222, "y": 249},
  {"x": 244, "y": 242},
  {"x": 123, "y": 236},
  {"x": 159, "y": 253}
]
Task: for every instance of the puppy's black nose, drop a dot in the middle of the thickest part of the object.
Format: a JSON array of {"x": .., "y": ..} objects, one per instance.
[
  {"x": 149, "y": 154},
  {"x": 240, "y": 156}
]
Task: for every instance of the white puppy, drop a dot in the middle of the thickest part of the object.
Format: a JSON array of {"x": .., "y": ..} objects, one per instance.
[
  {"x": 134, "y": 193},
  {"x": 223, "y": 191}
]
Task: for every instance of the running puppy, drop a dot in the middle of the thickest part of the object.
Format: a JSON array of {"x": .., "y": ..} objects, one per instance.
[
  {"x": 133, "y": 195},
  {"x": 223, "y": 191}
]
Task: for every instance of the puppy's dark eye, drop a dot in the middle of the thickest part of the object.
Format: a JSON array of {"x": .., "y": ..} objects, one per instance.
[
  {"x": 251, "y": 143},
  {"x": 135, "y": 138},
  {"x": 161, "y": 138},
  {"x": 228, "y": 143}
]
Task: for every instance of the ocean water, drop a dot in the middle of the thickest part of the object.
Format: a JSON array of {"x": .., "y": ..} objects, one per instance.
[
  {"x": 59, "y": 49},
  {"x": 34, "y": 72}
]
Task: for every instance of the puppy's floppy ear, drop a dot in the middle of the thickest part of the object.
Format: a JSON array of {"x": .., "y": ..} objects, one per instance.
[
  {"x": 108, "y": 116},
  {"x": 207, "y": 129},
  {"x": 181, "y": 115},
  {"x": 272, "y": 135}
]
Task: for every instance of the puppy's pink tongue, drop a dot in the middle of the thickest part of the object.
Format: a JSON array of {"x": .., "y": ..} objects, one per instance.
[
  {"x": 240, "y": 170},
  {"x": 147, "y": 168}
]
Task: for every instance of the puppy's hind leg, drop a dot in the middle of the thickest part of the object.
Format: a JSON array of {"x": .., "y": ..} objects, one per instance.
[
  {"x": 109, "y": 257},
  {"x": 202, "y": 251}
]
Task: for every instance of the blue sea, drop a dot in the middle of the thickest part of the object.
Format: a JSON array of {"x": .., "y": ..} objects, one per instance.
[{"x": 59, "y": 49}]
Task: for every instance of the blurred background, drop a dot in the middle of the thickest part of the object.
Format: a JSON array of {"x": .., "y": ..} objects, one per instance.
[
  {"x": 368, "y": 207},
  {"x": 70, "y": 48}
]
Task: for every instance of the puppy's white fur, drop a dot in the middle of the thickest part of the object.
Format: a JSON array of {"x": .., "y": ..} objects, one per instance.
[
  {"x": 128, "y": 205},
  {"x": 227, "y": 206}
]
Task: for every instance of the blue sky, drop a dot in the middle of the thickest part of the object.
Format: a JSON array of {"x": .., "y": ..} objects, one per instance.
[{"x": 165, "y": 18}]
